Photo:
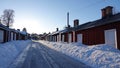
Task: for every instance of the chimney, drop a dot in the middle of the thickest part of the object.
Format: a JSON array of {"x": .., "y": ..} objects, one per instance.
[
  {"x": 57, "y": 29},
  {"x": 103, "y": 12},
  {"x": 76, "y": 22},
  {"x": 107, "y": 11},
  {"x": 18, "y": 29},
  {"x": 68, "y": 26}
]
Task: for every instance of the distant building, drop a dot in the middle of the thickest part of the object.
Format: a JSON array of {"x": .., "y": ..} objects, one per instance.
[{"x": 8, "y": 34}]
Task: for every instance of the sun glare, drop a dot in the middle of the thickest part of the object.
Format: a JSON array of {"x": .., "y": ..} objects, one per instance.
[{"x": 32, "y": 25}]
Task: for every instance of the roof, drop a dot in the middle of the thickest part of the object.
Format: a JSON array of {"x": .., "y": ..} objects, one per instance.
[
  {"x": 63, "y": 31},
  {"x": 3, "y": 27},
  {"x": 23, "y": 32},
  {"x": 67, "y": 30},
  {"x": 111, "y": 19}
]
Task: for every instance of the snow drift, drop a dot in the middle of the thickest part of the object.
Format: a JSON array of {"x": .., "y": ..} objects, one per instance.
[
  {"x": 97, "y": 56},
  {"x": 10, "y": 50}
]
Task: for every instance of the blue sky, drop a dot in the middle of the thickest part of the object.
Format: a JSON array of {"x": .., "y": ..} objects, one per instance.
[{"x": 40, "y": 16}]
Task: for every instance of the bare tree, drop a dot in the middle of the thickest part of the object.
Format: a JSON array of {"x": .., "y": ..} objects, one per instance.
[{"x": 8, "y": 17}]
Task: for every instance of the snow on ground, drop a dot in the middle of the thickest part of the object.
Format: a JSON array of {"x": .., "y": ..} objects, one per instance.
[
  {"x": 97, "y": 56},
  {"x": 10, "y": 50}
]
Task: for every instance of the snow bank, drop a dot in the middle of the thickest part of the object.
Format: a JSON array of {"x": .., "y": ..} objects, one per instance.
[
  {"x": 97, "y": 56},
  {"x": 9, "y": 51}
]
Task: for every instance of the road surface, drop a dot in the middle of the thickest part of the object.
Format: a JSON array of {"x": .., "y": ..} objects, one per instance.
[{"x": 37, "y": 55}]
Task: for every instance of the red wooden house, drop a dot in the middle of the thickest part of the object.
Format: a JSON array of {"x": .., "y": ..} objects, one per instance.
[
  {"x": 8, "y": 34},
  {"x": 102, "y": 31},
  {"x": 3, "y": 33}
]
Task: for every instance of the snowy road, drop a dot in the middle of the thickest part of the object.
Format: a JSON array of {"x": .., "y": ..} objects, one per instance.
[{"x": 38, "y": 55}]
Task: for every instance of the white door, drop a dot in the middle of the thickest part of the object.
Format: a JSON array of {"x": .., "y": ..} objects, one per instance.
[
  {"x": 69, "y": 38},
  {"x": 1, "y": 36},
  {"x": 73, "y": 36},
  {"x": 15, "y": 37},
  {"x": 53, "y": 38},
  {"x": 63, "y": 38},
  {"x": 11, "y": 36},
  {"x": 79, "y": 38},
  {"x": 111, "y": 38},
  {"x": 57, "y": 38}
]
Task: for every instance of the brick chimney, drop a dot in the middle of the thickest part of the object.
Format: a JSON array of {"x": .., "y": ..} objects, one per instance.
[
  {"x": 57, "y": 29},
  {"x": 107, "y": 11},
  {"x": 18, "y": 29},
  {"x": 76, "y": 22},
  {"x": 103, "y": 12}
]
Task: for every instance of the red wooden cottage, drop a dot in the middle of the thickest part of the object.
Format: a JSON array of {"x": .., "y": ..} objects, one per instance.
[
  {"x": 103, "y": 31},
  {"x": 3, "y": 33},
  {"x": 8, "y": 34}
]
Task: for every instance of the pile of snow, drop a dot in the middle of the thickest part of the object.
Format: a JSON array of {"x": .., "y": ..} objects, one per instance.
[
  {"x": 97, "y": 56},
  {"x": 10, "y": 50}
]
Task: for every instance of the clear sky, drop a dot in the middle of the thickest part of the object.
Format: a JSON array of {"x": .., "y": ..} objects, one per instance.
[{"x": 40, "y": 16}]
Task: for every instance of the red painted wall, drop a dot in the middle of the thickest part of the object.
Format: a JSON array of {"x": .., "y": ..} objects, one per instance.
[{"x": 95, "y": 35}]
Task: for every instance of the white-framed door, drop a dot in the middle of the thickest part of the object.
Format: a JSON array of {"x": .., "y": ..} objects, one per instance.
[
  {"x": 15, "y": 37},
  {"x": 1, "y": 36},
  {"x": 12, "y": 36},
  {"x": 54, "y": 38},
  {"x": 79, "y": 38},
  {"x": 111, "y": 37},
  {"x": 69, "y": 38},
  {"x": 73, "y": 36},
  {"x": 57, "y": 38},
  {"x": 63, "y": 36}
]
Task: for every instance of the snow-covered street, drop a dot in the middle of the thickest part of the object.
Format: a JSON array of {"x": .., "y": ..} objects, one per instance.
[
  {"x": 44, "y": 54},
  {"x": 37, "y": 55}
]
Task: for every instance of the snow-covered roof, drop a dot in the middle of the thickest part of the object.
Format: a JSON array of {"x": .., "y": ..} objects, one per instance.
[
  {"x": 4, "y": 27},
  {"x": 111, "y": 19},
  {"x": 23, "y": 32},
  {"x": 67, "y": 30},
  {"x": 63, "y": 31}
]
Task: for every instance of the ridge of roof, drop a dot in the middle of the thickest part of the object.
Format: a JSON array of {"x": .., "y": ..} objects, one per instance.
[{"x": 98, "y": 22}]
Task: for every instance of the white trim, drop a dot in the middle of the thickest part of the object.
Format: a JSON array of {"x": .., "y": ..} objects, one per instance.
[
  {"x": 1, "y": 36},
  {"x": 69, "y": 37},
  {"x": 79, "y": 38},
  {"x": 63, "y": 37},
  {"x": 59, "y": 37},
  {"x": 12, "y": 36},
  {"x": 15, "y": 37},
  {"x": 111, "y": 37},
  {"x": 73, "y": 36}
]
